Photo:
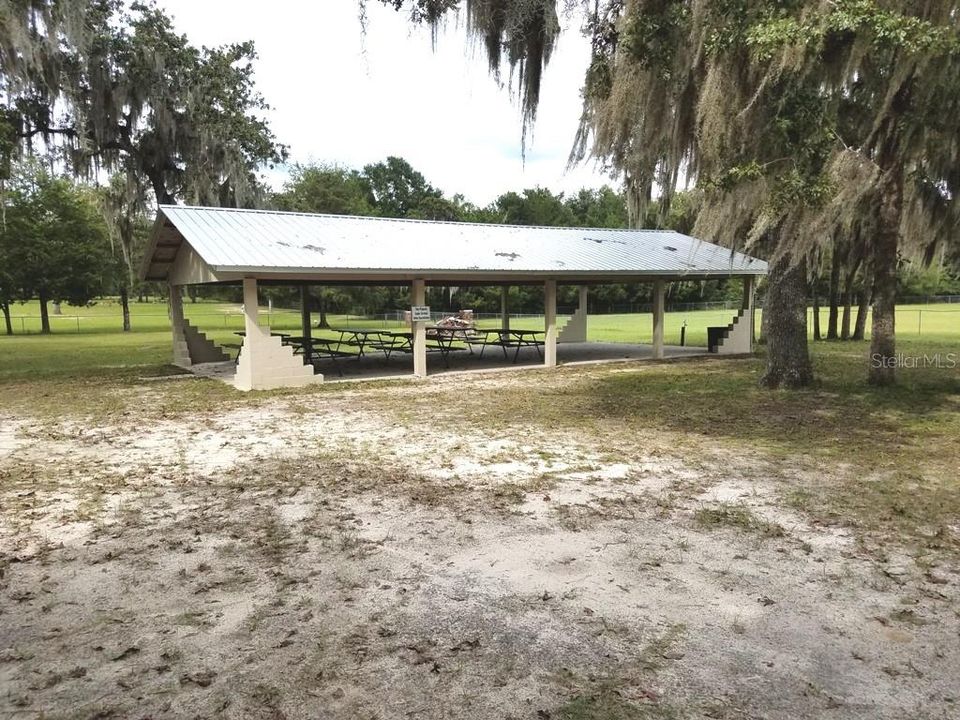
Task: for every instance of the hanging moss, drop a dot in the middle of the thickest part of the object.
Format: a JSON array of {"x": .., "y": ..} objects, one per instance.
[
  {"x": 518, "y": 34},
  {"x": 133, "y": 95}
]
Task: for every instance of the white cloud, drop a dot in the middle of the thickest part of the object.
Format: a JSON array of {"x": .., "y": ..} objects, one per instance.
[{"x": 338, "y": 96}]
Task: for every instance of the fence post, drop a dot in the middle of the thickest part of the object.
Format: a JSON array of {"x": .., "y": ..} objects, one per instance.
[{"x": 78, "y": 323}]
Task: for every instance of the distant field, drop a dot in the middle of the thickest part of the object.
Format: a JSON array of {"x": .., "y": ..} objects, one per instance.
[{"x": 223, "y": 319}]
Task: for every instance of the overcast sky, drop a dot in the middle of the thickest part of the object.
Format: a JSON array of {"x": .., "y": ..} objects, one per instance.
[{"x": 339, "y": 97}]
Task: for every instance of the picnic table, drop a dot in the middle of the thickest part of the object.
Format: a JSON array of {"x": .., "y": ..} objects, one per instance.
[
  {"x": 360, "y": 338},
  {"x": 395, "y": 340},
  {"x": 511, "y": 338},
  {"x": 446, "y": 335},
  {"x": 402, "y": 341},
  {"x": 315, "y": 350}
]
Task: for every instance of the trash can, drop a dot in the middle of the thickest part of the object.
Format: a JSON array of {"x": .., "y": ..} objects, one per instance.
[{"x": 714, "y": 336}]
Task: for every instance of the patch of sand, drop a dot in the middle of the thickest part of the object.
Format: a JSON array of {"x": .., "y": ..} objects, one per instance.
[{"x": 275, "y": 563}]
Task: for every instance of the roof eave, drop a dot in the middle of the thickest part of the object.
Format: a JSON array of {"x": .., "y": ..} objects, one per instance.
[{"x": 447, "y": 272}]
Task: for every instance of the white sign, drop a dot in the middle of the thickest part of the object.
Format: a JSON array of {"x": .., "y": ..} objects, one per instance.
[{"x": 419, "y": 313}]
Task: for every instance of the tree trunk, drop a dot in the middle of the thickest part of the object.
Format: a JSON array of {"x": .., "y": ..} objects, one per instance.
[
  {"x": 883, "y": 330},
  {"x": 44, "y": 316},
  {"x": 834, "y": 292},
  {"x": 155, "y": 177},
  {"x": 785, "y": 316},
  {"x": 845, "y": 317},
  {"x": 5, "y": 306},
  {"x": 125, "y": 306},
  {"x": 848, "y": 300},
  {"x": 323, "y": 310},
  {"x": 860, "y": 327}
]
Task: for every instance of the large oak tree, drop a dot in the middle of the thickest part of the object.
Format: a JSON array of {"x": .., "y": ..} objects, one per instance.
[
  {"x": 797, "y": 119},
  {"x": 110, "y": 85}
]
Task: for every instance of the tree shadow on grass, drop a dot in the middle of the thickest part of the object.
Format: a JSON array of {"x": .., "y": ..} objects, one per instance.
[{"x": 722, "y": 399}]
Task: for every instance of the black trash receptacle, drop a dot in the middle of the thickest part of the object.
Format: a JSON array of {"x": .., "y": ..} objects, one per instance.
[{"x": 714, "y": 336}]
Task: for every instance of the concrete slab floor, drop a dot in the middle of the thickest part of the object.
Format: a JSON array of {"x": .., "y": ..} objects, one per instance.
[{"x": 376, "y": 367}]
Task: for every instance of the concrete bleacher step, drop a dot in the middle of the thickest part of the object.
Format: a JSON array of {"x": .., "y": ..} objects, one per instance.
[{"x": 735, "y": 332}]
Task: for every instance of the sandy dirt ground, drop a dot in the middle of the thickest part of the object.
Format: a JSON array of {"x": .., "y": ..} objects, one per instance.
[{"x": 266, "y": 562}]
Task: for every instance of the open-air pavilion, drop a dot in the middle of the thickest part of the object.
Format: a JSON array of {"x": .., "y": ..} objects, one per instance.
[{"x": 194, "y": 246}]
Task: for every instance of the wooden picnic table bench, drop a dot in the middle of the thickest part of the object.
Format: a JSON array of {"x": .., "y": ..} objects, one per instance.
[
  {"x": 446, "y": 335},
  {"x": 360, "y": 338},
  {"x": 402, "y": 341},
  {"x": 510, "y": 338},
  {"x": 315, "y": 350}
]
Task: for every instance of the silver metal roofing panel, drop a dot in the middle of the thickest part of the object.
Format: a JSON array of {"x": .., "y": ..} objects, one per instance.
[{"x": 230, "y": 240}]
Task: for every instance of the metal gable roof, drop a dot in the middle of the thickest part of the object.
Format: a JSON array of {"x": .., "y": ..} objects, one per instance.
[{"x": 255, "y": 241}]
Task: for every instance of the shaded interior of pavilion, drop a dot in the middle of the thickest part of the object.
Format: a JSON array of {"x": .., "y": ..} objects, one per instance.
[{"x": 388, "y": 345}]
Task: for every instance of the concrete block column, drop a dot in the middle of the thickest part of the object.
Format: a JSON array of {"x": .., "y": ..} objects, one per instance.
[
  {"x": 550, "y": 323},
  {"x": 419, "y": 296},
  {"x": 659, "y": 288},
  {"x": 248, "y": 364},
  {"x": 190, "y": 346},
  {"x": 181, "y": 349},
  {"x": 251, "y": 306},
  {"x": 575, "y": 331},
  {"x": 265, "y": 362}
]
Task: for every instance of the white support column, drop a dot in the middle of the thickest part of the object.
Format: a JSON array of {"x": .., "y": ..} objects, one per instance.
[
  {"x": 251, "y": 306},
  {"x": 419, "y": 295},
  {"x": 181, "y": 349},
  {"x": 749, "y": 289},
  {"x": 505, "y": 307},
  {"x": 658, "y": 296},
  {"x": 550, "y": 323},
  {"x": 264, "y": 361},
  {"x": 249, "y": 372},
  {"x": 190, "y": 346}
]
